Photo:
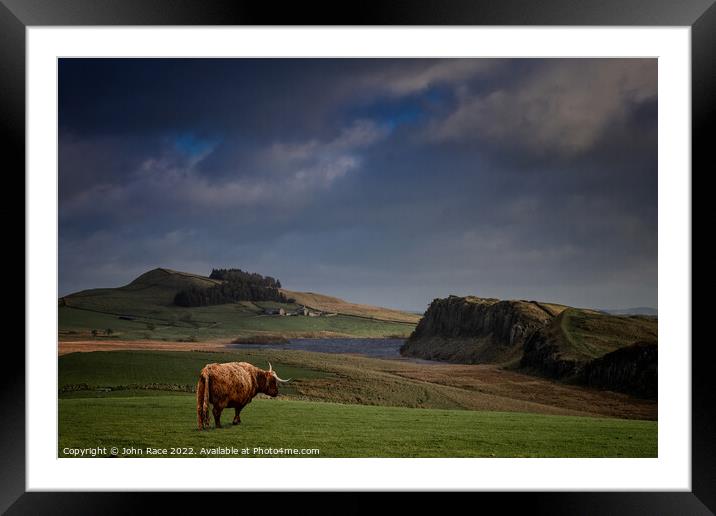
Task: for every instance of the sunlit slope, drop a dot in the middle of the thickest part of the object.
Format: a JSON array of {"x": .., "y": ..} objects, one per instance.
[
  {"x": 144, "y": 309},
  {"x": 584, "y": 335},
  {"x": 336, "y": 305}
]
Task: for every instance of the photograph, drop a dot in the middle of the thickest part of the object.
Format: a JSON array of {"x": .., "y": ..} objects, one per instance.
[{"x": 300, "y": 257}]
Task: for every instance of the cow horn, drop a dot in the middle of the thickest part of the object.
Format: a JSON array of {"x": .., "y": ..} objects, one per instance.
[
  {"x": 270, "y": 367},
  {"x": 279, "y": 379}
]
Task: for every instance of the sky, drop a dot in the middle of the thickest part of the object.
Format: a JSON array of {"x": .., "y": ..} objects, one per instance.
[{"x": 382, "y": 181}]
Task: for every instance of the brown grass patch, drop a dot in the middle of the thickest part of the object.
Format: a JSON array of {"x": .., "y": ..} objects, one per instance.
[{"x": 333, "y": 304}]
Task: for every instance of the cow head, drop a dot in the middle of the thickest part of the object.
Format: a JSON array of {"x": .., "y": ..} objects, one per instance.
[{"x": 272, "y": 380}]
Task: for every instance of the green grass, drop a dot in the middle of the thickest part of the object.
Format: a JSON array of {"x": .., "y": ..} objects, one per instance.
[
  {"x": 316, "y": 376},
  {"x": 327, "y": 377},
  {"x": 217, "y": 322},
  {"x": 349, "y": 430},
  {"x": 373, "y": 418},
  {"x": 591, "y": 335},
  {"x": 149, "y": 301},
  {"x": 115, "y": 369}
]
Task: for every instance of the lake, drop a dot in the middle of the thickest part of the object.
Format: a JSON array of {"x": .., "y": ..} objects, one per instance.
[{"x": 376, "y": 348}]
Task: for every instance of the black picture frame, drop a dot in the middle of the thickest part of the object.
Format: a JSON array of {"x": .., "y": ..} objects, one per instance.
[{"x": 700, "y": 15}]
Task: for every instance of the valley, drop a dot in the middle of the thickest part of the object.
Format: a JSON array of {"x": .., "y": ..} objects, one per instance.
[{"x": 468, "y": 362}]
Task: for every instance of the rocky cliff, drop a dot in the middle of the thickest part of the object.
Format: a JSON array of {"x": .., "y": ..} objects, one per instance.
[
  {"x": 568, "y": 344},
  {"x": 632, "y": 369},
  {"x": 472, "y": 329},
  {"x": 542, "y": 354}
]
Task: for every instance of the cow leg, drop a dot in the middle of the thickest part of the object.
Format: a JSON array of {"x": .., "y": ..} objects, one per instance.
[
  {"x": 237, "y": 417},
  {"x": 217, "y": 416}
]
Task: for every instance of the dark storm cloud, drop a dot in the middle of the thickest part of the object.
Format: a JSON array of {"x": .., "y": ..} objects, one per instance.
[{"x": 383, "y": 181}]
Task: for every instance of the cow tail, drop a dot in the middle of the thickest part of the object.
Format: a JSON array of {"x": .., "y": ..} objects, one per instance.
[
  {"x": 205, "y": 406},
  {"x": 202, "y": 400}
]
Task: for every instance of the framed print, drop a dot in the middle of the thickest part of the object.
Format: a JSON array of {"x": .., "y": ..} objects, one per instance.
[{"x": 429, "y": 248}]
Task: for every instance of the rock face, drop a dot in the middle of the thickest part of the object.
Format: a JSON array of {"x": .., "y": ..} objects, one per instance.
[
  {"x": 542, "y": 355},
  {"x": 632, "y": 369},
  {"x": 611, "y": 352},
  {"x": 472, "y": 329},
  {"x": 567, "y": 344}
]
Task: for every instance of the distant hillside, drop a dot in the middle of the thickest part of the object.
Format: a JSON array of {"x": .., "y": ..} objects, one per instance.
[
  {"x": 145, "y": 309},
  {"x": 473, "y": 330},
  {"x": 542, "y": 338},
  {"x": 156, "y": 287},
  {"x": 336, "y": 305},
  {"x": 639, "y": 310},
  {"x": 234, "y": 285},
  {"x": 566, "y": 346}
]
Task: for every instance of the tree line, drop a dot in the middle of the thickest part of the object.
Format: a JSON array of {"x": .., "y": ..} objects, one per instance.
[
  {"x": 250, "y": 277},
  {"x": 237, "y": 285}
]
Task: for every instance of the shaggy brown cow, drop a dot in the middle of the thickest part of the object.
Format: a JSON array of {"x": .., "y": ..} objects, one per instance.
[{"x": 232, "y": 384}]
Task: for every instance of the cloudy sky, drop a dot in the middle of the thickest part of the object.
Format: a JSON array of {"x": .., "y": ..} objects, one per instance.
[{"x": 381, "y": 181}]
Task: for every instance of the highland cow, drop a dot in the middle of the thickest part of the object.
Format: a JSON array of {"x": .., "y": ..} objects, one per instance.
[{"x": 233, "y": 385}]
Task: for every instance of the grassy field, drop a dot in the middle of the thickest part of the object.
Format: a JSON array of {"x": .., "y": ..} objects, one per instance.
[
  {"x": 337, "y": 430},
  {"x": 223, "y": 322},
  {"x": 347, "y": 406},
  {"x": 133, "y": 387},
  {"x": 144, "y": 309},
  {"x": 349, "y": 379},
  {"x": 316, "y": 376},
  {"x": 153, "y": 370},
  {"x": 588, "y": 335}
]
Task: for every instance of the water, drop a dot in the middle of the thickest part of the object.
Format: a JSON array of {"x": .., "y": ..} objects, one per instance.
[{"x": 376, "y": 348}]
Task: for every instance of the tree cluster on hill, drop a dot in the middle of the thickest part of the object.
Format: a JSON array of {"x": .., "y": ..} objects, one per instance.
[
  {"x": 236, "y": 285},
  {"x": 249, "y": 277}
]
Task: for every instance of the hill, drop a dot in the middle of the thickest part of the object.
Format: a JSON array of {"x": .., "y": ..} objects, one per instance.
[
  {"x": 143, "y": 295},
  {"x": 145, "y": 309},
  {"x": 577, "y": 344},
  {"x": 637, "y": 310},
  {"x": 476, "y": 330},
  {"x": 557, "y": 341},
  {"x": 584, "y": 335},
  {"x": 336, "y": 305},
  {"x": 170, "y": 280}
]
